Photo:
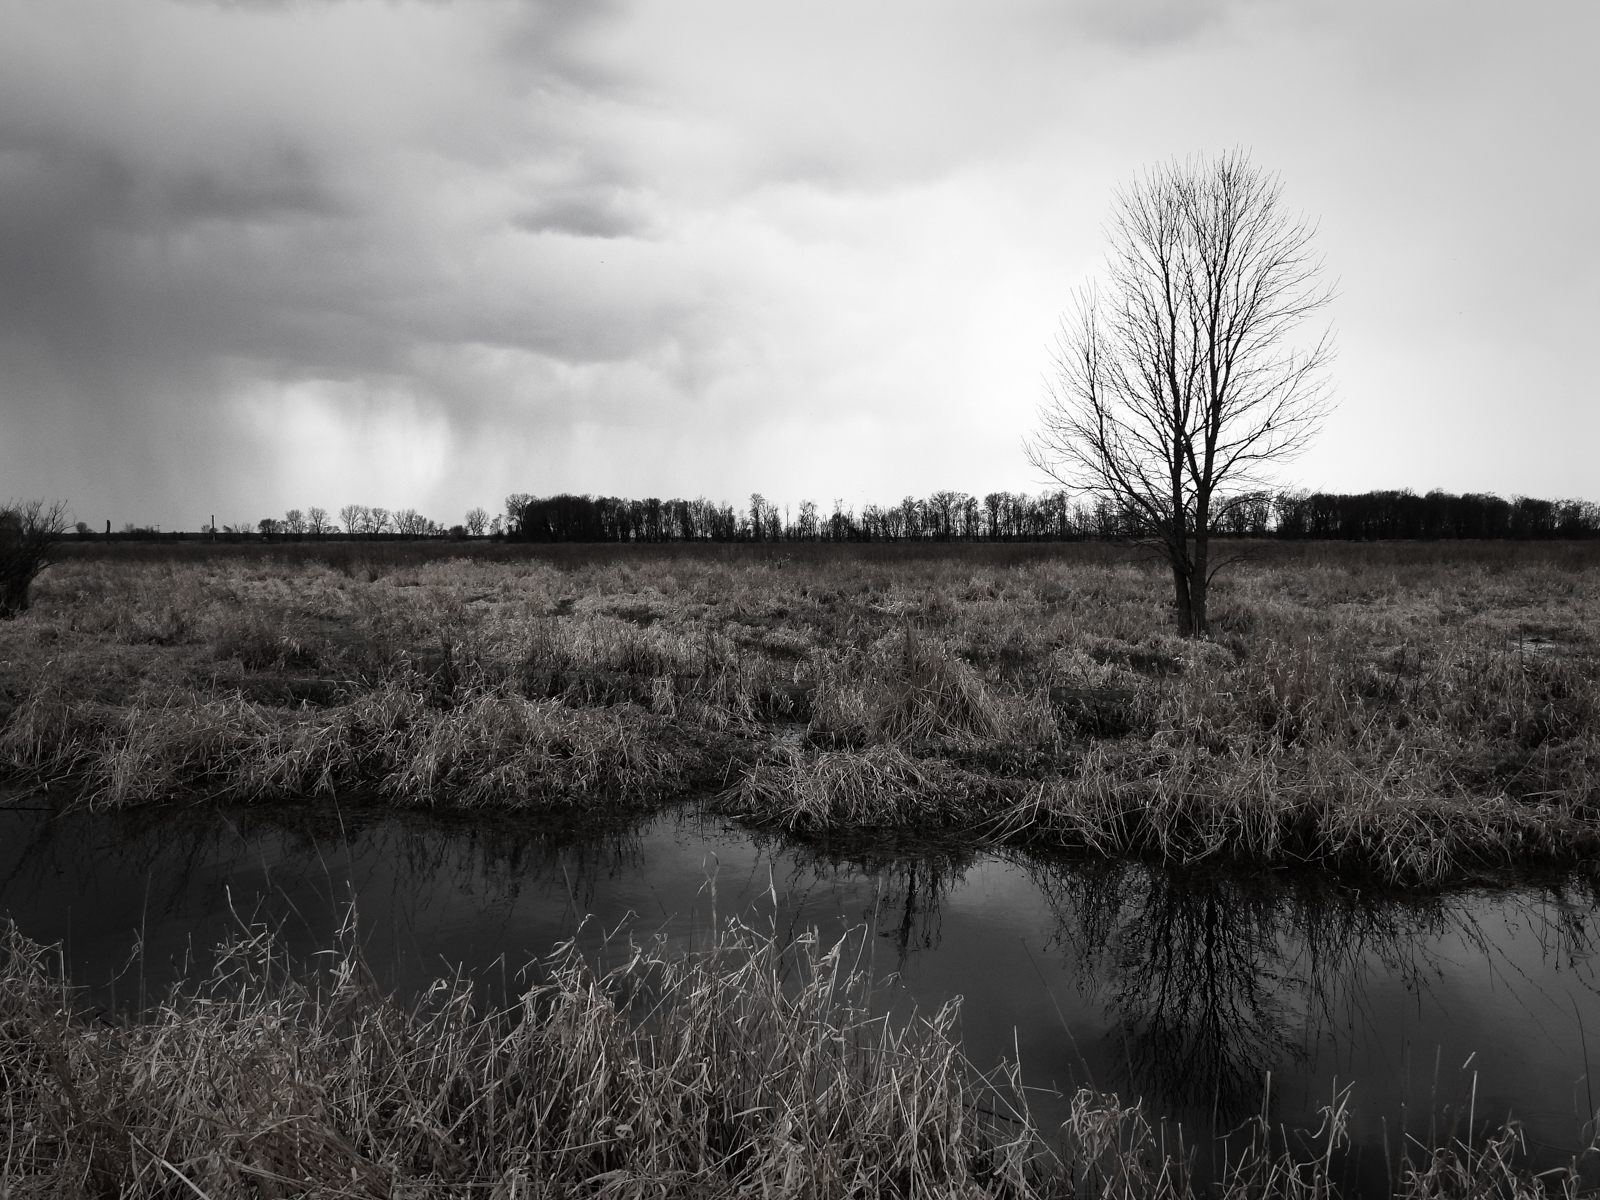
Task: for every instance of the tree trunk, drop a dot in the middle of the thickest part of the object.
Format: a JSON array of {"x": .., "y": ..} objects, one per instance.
[
  {"x": 1199, "y": 586},
  {"x": 14, "y": 597},
  {"x": 1183, "y": 603}
]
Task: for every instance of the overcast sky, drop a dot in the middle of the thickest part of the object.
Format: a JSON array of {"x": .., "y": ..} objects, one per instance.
[{"x": 258, "y": 255}]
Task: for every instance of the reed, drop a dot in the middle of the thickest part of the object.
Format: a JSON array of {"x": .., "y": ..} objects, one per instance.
[{"x": 746, "y": 1069}]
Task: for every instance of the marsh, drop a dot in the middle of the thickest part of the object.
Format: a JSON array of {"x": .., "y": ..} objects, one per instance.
[{"x": 1091, "y": 905}]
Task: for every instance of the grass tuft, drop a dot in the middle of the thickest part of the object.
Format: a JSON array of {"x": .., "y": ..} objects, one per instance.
[{"x": 879, "y": 787}]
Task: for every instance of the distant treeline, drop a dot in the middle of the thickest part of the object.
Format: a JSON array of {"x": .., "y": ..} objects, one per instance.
[
  {"x": 1434, "y": 517},
  {"x": 943, "y": 516},
  {"x": 1049, "y": 516}
]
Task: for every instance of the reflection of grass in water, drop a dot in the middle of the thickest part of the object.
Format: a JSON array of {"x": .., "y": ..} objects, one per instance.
[{"x": 747, "y": 1069}]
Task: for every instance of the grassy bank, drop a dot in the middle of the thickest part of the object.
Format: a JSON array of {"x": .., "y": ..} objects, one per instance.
[
  {"x": 1410, "y": 713},
  {"x": 749, "y": 1069}
]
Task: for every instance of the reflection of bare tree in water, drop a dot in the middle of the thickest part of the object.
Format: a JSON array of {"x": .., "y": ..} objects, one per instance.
[
  {"x": 1193, "y": 970},
  {"x": 913, "y": 879},
  {"x": 918, "y": 927},
  {"x": 1201, "y": 1015},
  {"x": 1213, "y": 979}
]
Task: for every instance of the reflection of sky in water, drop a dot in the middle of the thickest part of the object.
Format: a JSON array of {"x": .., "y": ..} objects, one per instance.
[{"x": 1185, "y": 989}]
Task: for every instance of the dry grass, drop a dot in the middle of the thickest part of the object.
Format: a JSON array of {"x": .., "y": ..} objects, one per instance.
[
  {"x": 1412, "y": 713},
  {"x": 880, "y": 786},
  {"x": 745, "y": 1070},
  {"x": 489, "y": 747}
]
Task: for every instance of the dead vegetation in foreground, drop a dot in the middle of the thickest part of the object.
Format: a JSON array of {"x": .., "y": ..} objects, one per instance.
[
  {"x": 748, "y": 1069},
  {"x": 1414, "y": 715}
]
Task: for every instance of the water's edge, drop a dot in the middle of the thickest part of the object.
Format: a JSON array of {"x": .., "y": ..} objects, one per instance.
[{"x": 1186, "y": 988}]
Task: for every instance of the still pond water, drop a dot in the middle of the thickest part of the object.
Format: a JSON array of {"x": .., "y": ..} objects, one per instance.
[{"x": 1185, "y": 988}]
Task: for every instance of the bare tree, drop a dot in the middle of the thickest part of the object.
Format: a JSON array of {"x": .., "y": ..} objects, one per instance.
[
  {"x": 477, "y": 522},
  {"x": 1183, "y": 381},
  {"x": 317, "y": 521},
  {"x": 408, "y": 522},
  {"x": 354, "y": 517},
  {"x": 908, "y": 517},
  {"x": 759, "y": 508},
  {"x": 806, "y": 525},
  {"x": 516, "y": 507},
  {"x": 294, "y": 521},
  {"x": 29, "y": 532}
]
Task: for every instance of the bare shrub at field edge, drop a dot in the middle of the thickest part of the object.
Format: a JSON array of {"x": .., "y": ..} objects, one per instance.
[
  {"x": 30, "y": 533},
  {"x": 747, "y": 1069}
]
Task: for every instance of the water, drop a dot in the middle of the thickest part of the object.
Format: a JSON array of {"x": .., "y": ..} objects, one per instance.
[{"x": 1185, "y": 988}]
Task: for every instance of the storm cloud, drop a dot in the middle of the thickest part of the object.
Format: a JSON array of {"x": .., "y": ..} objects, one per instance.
[{"x": 424, "y": 254}]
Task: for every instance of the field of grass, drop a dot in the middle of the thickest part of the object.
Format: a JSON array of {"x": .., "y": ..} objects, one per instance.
[
  {"x": 1410, "y": 713},
  {"x": 748, "y": 1069}
]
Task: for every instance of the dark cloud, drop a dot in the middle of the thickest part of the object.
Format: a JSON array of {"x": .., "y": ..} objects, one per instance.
[
  {"x": 591, "y": 213},
  {"x": 1145, "y": 24}
]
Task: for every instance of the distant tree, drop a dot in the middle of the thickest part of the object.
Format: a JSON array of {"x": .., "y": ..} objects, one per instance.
[
  {"x": 806, "y": 525},
  {"x": 408, "y": 522},
  {"x": 268, "y": 526},
  {"x": 1179, "y": 384},
  {"x": 294, "y": 521},
  {"x": 477, "y": 521},
  {"x": 1248, "y": 516},
  {"x": 991, "y": 513},
  {"x": 495, "y": 527},
  {"x": 944, "y": 508},
  {"x": 516, "y": 503},
  {"x": 841, "y": 525},
  {"x": 317, "y": 521},
  {"x": 910, "y": 526},
  {"x": 378, "y": 520},
  {"x": 654, "y": 514},
  {"x": 970, "y": 523},
  {"x": 894, "y": 522},
  {"x": 29, "y": 533},
  {"x": 353, "y": 517}
]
